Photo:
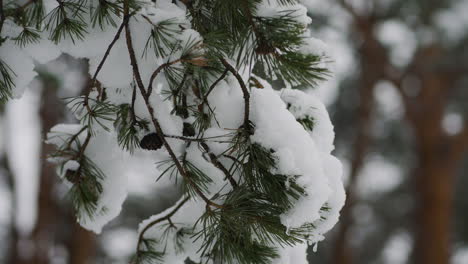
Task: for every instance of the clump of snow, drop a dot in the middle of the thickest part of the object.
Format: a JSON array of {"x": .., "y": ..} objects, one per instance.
[
  {"x": 304, "y": 154},
  {"x": 108, "y": 157}
]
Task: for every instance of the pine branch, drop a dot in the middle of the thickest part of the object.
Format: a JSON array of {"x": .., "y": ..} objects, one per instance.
[
  {"x": 167, "y": 217},
  {"x": 62, "y": 25},
  {"x": 155, "y": 122},
  {"x": 6, "y": 82}
]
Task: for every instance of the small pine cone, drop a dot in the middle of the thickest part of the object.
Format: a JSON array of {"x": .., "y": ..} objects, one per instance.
[
  {"x": 151, "y": 142},
  {"x": 264, "y": 48},
  {"x": 189, "y": 130},
  {"x": 72, "y": 176}
]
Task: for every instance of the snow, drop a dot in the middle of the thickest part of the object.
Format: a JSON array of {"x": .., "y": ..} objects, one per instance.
[
  {"x": 398, "y": 248},
  {"x": 22, "y": 143},
  {"x": 21, "y": 65},
  {"x": 299, "y": 153},
  {"x": 378, "y": 176},
  {"x": 453, "y": 123},
  {"x": 400, "y": 38},
  {"x": 307, "y": 105},
  {"x": 109, "y": 158}
]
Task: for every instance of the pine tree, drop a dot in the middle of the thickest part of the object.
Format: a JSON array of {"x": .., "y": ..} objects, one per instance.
[{"x": 186, "y": 83}]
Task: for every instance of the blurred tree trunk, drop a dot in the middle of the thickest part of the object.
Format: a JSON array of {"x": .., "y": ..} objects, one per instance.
[
  {"x": 50, "y": 219},
  {"x": 370, "y": 55},
  {"x": 82, "y": 246},
  {"x": 438, "y": 154},
  {"x": 439, "y": 157},
  {"x": 43, "y": 236},
  {"x": 12, "y": 255}
]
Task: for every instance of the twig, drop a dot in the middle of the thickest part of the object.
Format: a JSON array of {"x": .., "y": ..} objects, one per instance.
[
  {"x": 245, "y": 91},
  {"x": 103, "y": 60},
  {"x": 109, "y": 48},
  {"x": 132, "y": 107},
  {"x": 157, "y": 71},
  {"x": 214, "y": 160},
  {"x": 156, "y": 221},
  {"x": 70, "y": 142},
  {"x": 214, "y": 85},
  {"x": 196, "y": 139}
]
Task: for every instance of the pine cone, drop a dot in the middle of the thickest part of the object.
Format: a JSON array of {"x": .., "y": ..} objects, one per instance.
[
  {"x": 151, "y": 142},
  {"x": 189, "y": 130},
  {"x": 72, "y": 176},
  {"x": 264, "y": 48}
]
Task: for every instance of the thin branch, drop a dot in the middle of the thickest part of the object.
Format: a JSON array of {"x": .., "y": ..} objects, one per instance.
[
  {"x": 75, "y": 136},
  {"x": 132, "y": 107},
  {"x": 214, "y": 160},
  {"x": 103, "y": 60},
  {"x": 154, "y": 120},
  {"x": 157, "y": 71},
  {"x": 214, "y": 85},
  {"x": 109, "y": 48},
  {"x": 197, "y": 139},
  {"x": 245, "y": 91},
  {"x": 156, "y": 221}
]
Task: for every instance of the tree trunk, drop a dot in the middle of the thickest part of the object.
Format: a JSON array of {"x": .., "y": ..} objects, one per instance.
[
  {"x": 434, "y": 195},
  {"x": 439, "y": 158},
  {"x": 12, "y": 255},
  {"x": 371, "y": 55},
  {"x": 51, "y": 218},
  {"x": 82, "y": 246},
  {"x": 43, "y": 235}
]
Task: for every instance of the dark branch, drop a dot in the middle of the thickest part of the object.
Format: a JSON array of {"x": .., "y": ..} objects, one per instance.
[
  {"x": 245, "y": 91},
  {"x": 214, "y": 160},
  {"x": 214, "y": 85},
  {"x": 159, "y": 220},
  {"x": 157, "y": 71}
]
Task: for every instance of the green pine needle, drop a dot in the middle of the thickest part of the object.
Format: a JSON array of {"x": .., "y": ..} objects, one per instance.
[{"x": 6, "y": 82}]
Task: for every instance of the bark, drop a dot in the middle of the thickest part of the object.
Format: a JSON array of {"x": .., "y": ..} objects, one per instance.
[
  {"x": 43, "y": 235},
  {"x": 82, "y": 246},
  {"x": 439, "y": 159},
  {"x": 12, "y": 255},
  {"x": 371, "y": 55},
  {"x": 434, "y": 190},
  {"x": 52, "y": 220},
  {"x": 439, "y": 155}
]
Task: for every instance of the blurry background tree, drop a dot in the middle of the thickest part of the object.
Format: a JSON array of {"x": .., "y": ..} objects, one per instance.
[
  {"x": 404, "y": 101},
  {"x": 400, "y": 113},
  {"x": 36, "y": 223}
]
